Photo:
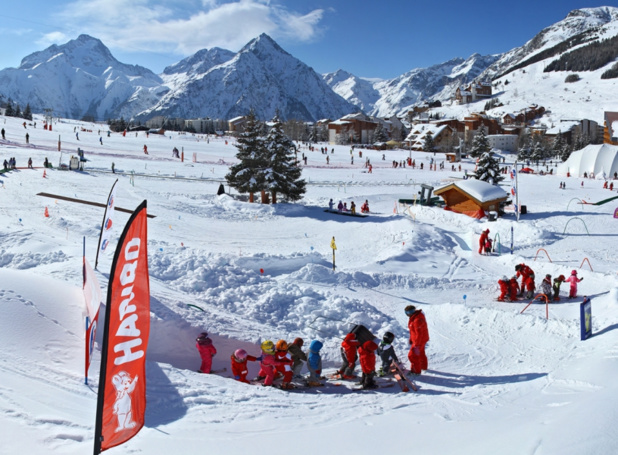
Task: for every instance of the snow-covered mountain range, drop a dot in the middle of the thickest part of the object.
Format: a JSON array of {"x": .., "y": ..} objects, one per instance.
[{"x": 82, "y": 78}]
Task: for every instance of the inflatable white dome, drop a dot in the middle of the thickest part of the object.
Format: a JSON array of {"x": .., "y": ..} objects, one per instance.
[{"x": 599, "y": 159}]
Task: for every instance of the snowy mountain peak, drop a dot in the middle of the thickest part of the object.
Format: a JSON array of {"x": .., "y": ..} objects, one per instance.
[{"x": 200, "y": 62}]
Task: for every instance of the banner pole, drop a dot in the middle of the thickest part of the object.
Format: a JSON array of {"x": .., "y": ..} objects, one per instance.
[{"x": 96, "y": 260}]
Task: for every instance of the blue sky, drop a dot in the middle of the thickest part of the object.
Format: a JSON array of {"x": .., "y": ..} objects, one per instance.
[{"x": 370, "y": 39}]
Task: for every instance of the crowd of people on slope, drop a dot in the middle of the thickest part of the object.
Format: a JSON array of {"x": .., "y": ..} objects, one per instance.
[
  {"x": 343, "y": 206},
  {"x": 511, "y": 290},
  {"x": 286, "y": 360}
]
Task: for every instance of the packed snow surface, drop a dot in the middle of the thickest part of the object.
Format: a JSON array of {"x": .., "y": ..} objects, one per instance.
[{"x": 499, "y": 380}]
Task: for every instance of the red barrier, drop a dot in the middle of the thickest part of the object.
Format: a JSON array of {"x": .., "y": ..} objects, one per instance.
[
  {"x": 586, "y": 259},
  {"x": 542, "y": 249},
  {"x": 539, "y": 296}
]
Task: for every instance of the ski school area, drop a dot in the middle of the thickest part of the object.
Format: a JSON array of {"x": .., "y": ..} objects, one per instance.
[{"x": 505, "y": 371}]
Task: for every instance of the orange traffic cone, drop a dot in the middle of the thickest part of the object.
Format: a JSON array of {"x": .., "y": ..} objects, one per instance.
[{"x": 46, "y": 213}]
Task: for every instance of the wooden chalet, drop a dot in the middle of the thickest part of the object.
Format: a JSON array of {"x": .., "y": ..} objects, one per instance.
[{"x": 472, "y": 197}]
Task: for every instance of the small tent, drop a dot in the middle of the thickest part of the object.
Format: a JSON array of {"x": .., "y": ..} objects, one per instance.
[{"x": 598, "y": 159}]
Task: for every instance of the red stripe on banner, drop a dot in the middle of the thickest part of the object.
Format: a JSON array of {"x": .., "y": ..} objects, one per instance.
[{"x": 122, "y": 382}]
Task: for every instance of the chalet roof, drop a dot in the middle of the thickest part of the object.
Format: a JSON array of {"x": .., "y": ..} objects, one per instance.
[
  {"x": 419, "y": 132},
  {"x": 236, "y": 119},
  {"x": 478, "y": 190}
]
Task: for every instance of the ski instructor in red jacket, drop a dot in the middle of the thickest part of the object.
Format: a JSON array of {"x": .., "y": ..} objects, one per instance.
[{"x": 419, "y": 336}]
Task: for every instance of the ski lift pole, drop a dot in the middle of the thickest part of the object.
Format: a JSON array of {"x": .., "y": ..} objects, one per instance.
[
  {"x": 334, "y": 247},
  {"x": 511, "y": 239}
]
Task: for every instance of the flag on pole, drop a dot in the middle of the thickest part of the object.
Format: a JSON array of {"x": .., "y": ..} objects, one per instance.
[
  {"x": 106, "y": 227},
  {"x": 121, "y": 404},
  {"x": 92, "y": 297}
]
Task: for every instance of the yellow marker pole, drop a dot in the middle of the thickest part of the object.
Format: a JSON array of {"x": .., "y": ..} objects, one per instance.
[{"x": 334, "y": 247}]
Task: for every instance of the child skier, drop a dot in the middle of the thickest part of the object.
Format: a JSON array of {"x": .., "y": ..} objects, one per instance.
[
  {"x": 419, "y": 336},
  {"x": 268, "y": 363},
  {"x": 556, "y": 287},
  {"x": 504, "y": 287},
  {"x": 513, "y": 289},
  {"x": 573, "y": 279},
  {"x": 349, "y": 347},
  {"x": 530, "y": 286},
  {"x": 386, "y": 351},
  {"x": 239, "y": 361},
  {"x": 314, "y": 363},
  {"x": 523, "y": 271},
  {"x": 546, "y": 286},
  {"x": 298, "y": 356},
  {"x": 207, "y": 352},
  {"x": 284, "y": 365},
  {"x": 367, "y": 358},
  {"x": 482, "y": 240},
  {"x": 488, "y": 243}
]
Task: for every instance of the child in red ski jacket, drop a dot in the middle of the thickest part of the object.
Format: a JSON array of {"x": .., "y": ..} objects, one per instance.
[
  {"x": 239, "y": 361},
  {"x": 207, "y": 352},
  {"x": 349, "y": 347},
  {"x": 513, "y": 289},
  {"x": 284, "y": 365},
  {"x": 504, "y": 288},
  {"x": 268, "y": 365},
  {"x": 419, "y": 336},
  {"x": 367, "y": 359}
]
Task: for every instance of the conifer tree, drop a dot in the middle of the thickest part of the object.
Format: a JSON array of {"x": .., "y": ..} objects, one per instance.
[
  {"x": 557, "y": 147},
  {"x": 10, "y": 110},
  {"x": 488, "y": 169},
  {"x": 429, "y": 145},
  {"x": 27, "y": 112},
  {"x": 524, "y": 152},
  {"x": 281, "y": 174},
  {"x": 480, "y": 144},
  {"x": 379, "y": 135},
  {"x": 247, "y": 176}
]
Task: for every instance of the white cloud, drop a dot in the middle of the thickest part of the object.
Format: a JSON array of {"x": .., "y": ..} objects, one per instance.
[
  {"x": 185, "y": 26},
  {"x": 53, "y": 38}
]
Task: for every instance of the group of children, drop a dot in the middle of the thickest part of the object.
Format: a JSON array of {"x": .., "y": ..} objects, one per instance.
[
  {"x": 511, "y": 290},
  {"x": 343, "y": 206}
]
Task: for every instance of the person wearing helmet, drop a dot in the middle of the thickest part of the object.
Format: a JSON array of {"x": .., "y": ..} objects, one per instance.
[
  {"x": 367, "y": 359},
  {"x": 268, "y": 363},
  {"x": 349, "y": 348},
  {"x": 504, "y": 288},
  {"x": 284, "y": 363},
  {"x": 207, "y": 352},
  {"x": 556, "y": 287},
  {"x": 483, "y": 240},
  {"x": 546, "y": 286},
  {"x": 419, "y": 336},
  {"x": 386, "y": 351},
  {"x": 530, "y": 286},
  {"x": 298, "y": 356},
  {"x": 573, "y": 279},
  {"x": 314, "y": 364},
  {"x": 239, "y": 361}
]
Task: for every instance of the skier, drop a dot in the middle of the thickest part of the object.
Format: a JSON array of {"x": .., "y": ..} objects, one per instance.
[
  {"x": 207, "y": 352},
  {"x": 367, "y": 358},
  {"x": 419, "y": 336},
  {"x": 284, "y": 365},
  {"x": 482, "y": 240},
  {"x": 268, "y": 363},
  {"x": 30, "y": 163},
  {"x": 27, "y": 138},
  {"x": 573, "y": 279},
  {"x": 513, "y": 289},
  {"x": 488, "y": 246},
  {"x": 530, "y": 286},
  {"x": 3, "y": 132},
  {"x": 349, "y": 347},
  {"x": 340, "y": 206},
  {"x": 314, "y": 363},
  {"x": 345, "y": 207},
  {"x": 352, "y": 208},
  {"x": 546, "y": 286},
  {"x": 331, "y": 204},
  {"x": 145, "y": 149},
  {"x": 365, "y": 207},
  {"x": 504, "y": 288},
  {"x": 556, "y": 287},
  {"x": 524, "y": 272},
  {"x": 298, "y": 356},
  {"x": 239, "y": 361},
  {"x": 386, "y": 351}
]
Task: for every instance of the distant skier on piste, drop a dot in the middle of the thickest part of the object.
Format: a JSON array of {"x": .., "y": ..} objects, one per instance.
[{"x": 419, "y": 336}]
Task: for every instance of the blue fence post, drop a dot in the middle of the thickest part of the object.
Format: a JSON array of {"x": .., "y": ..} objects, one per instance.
[{"x": 585, "y": 314}]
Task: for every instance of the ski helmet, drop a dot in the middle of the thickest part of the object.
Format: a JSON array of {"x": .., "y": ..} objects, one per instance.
[
  {"x": 548, "y": 276},
  {"x": 203, "y": 339},
  {"x": 282, "y": 345},
  {"x": 268, "y": 347},
  {"x": 388, "y": 337},
  {"x": 573, "y": 272},
  {"x": 298, "y": 342},
  {"x": 240, "y": 355},
  {"x": 504, "y": 278},
  {"x": 518, "y": 267}
]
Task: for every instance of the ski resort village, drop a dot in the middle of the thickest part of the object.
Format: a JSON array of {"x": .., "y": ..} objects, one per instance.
[{"x": 241, "y": 254}]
